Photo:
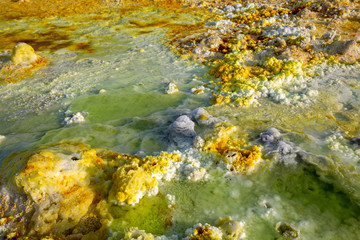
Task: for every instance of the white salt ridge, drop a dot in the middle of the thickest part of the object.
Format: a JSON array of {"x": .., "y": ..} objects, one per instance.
[
  {"x": 194, "y": 164},
  {"x": 337, "y": 143},
  {"x": 287, "y": 30}
]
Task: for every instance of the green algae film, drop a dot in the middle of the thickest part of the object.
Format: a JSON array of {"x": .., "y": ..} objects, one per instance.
[
  {"x": 152, "y": 215},
  {"x": 295, "y": 196},
  {"x": 120, "y": 105}
]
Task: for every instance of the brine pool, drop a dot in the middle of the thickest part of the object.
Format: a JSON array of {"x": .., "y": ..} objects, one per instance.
[{"x": 105, "y": 87}]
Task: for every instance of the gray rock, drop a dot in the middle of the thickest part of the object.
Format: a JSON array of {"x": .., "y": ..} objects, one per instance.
[
  {"x": 181, "y": 132},
  {"x": 285, "y": 148},
  {"x": 202, "y": 117},
  {"x": 270, "y": 136},
  {"x": 350, "y": 52}
]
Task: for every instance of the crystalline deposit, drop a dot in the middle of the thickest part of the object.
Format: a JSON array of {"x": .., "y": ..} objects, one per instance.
[
  {"x": 171, "y": 88},
  {"x": 72, "y": 118}
]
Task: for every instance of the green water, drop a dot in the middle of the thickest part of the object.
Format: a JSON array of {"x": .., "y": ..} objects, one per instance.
[
  {"x": 134, "y": 112},
  {"x": 135, "y": 83}
]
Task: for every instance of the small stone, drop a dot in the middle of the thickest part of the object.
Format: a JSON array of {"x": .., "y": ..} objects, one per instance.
[
  {"x": 354, "y": 141},
  {"x": 101, "y": 91},
  {"x": 229, "y": 8},
  {"x": 287, "y": 231},
  {"x": 326, "y": 6},
  {"x": 198, "y": 90},
  {"x": 213, "y": 41},
  {"x": 237, "y": 5},
  {"x": 202, "y": 117},
  {"x": 198, "y": 142},
  {"x": 306, "y": 14}
]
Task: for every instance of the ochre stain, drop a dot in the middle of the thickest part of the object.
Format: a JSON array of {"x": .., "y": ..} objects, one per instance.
[
  {"x": 161, "y": 23},
  {"x": 38, "y": 8},
  {"x": 144, "y": 32},
  {"x": 52, "y": 39},
  {"x": 84, "y": 46},
  {"x": 10, "y": 10}
]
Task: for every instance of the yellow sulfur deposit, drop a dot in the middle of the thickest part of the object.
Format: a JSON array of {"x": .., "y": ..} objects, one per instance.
[
  {"x": 24, "y": 53},
  {"x": 235, "y": 158},
  {"x": 279, "y": 68},
  {"x": 56, "y": 184},
  {"x": 130, "y": 184},
  {"x": 260, "y": 14},
  {"x": 204, "y": 232},
  {"x": 138, "y": 177},
  {"x": 24, "y": 61},
  {"x": 219, "y": 140},
  {"x": 235, "y": 76},
  {"x": 68, "y": 186},
  {"x": 136, "y": 234}
]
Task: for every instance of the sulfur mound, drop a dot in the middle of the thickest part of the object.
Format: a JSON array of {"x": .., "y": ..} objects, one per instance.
[
  {"x": 224, "y": 142},
  {"x": 24, "y": 54},
  {"x": 138, "y": 177},
  {"x": 56, "y": 182},
  {"x": 270, "y": 136},
  {"x": 205, "y": 232},
  {"x": 64, "y": 190},
  {"x": 350, "y": 52},
  {"x": 171, "y": 88},
  {"x": 226, "y": 229},
  {"x": 23, "y": 62}
]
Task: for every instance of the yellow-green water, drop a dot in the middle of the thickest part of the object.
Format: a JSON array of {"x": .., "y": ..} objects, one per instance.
[{"x": 132, "y": 65}]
